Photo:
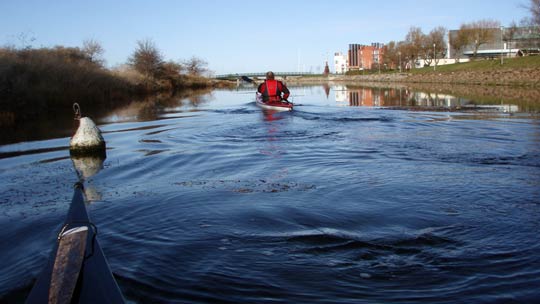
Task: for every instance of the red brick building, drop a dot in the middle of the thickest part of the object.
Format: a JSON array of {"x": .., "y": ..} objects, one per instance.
[{"x": 365, "y": 57}]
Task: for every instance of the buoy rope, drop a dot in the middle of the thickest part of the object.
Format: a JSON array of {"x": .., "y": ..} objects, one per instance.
[{"x": 77, "y": 110}]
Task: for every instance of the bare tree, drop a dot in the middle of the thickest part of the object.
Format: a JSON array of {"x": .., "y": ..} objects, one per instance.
[
  {"x": 26, "y": 39},
  {"x": 459, "y": 41},
  {"x": 390, "y": 54},
  {"x": 195, "y": 66},
  {"x": 172, "y": 68},
  {"x": 147, "y": 59},
  {"x": 401, "y": 53},
  {"x": 481, "y": 32},
  {"x": 94, "y": 51},
  {"x": 170, "y": 71},
  {"x": 534, "y": 9},
  {"x": 394, "y": 54},
  {"x": 414, "y": 44},
  {"x": 437, "y": 43},
  {"x": 510, "y": 33},
  {"x": 427, "y": 50}
]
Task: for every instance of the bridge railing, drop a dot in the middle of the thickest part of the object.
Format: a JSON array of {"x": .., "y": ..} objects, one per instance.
[{"x": 225, "y": 76}]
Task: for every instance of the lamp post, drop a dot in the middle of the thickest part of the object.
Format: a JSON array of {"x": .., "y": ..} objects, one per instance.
[
  {"x": 502, "y": 45},
  {"x": 399, "y": 53},
  {"x": 434, "y": 58}
]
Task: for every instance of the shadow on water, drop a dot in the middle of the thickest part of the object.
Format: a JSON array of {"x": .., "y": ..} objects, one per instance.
[
  {"x": 31, "y": 151},
  {"x": 57, "y": 123}
]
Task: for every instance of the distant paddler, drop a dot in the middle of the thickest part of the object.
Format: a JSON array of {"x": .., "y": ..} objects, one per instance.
[
  {"x": 273, "y": 90},
  {"x": 87, "y": 140},
  {"x": 272, "y": 95}
]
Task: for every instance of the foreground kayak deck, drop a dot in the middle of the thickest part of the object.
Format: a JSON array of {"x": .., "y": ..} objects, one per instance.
[{"x": 77, "y": 271}]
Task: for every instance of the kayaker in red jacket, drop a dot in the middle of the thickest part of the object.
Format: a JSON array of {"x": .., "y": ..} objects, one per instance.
[{"x": 272, "y": 89}]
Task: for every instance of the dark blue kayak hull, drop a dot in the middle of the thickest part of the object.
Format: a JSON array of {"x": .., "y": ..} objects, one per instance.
[{"x": 96, "y": 283}]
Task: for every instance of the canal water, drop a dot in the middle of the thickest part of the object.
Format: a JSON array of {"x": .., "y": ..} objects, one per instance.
[{"x": 357, "y": 196}]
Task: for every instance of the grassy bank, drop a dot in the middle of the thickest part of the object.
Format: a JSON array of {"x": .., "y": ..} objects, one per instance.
[
  {"x": 518, "y": 63},
  {"x": 515, "y": 72}
]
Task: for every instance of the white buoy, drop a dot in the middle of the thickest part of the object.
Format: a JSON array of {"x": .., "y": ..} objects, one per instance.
[{"x": 87, "y": 140}]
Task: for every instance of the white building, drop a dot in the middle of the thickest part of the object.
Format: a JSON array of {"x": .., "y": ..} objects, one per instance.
[{"x": 340, "y": 63}]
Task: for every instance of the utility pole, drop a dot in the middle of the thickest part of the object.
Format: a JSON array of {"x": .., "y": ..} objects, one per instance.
[
  {"x": 502, "y": 46},
  {"x": 434, "y": 58}
]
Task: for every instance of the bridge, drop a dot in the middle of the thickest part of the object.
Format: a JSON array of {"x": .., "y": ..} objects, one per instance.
[{"x": 261, "y": 74}]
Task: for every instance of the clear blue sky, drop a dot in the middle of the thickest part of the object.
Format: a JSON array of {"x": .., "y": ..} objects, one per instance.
[{"x": 238, "y": 36}]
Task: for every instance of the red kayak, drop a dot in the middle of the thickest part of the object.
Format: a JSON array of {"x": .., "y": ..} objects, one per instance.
[{"x": 274, "y": 105}]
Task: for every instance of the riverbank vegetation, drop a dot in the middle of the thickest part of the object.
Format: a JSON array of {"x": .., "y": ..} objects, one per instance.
[
  {"x": 33, "y": 81},
  {"x": 37, "y": 82}
]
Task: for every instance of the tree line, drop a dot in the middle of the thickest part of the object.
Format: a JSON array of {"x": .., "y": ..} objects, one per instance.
[
  {"x": 42, "y": 81},
  {"x": 432, "y": 47}
]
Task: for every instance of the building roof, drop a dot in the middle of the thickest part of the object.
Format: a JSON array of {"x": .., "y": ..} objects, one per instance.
[{"x": 492, "y": 52}]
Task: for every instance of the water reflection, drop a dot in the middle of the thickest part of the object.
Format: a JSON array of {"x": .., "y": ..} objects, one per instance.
[
  {"x": 86, "y": 167},
  {"x": 270, "y": 115},
  {"x": 274, "y": 124},
  {"x": 58, "y": 122},
  {"x": 403, "y": 97},
  {"x": 158, "y": 107},
  {"x": 439, "y": 97},
  {"x": 326, "y": 88},
  {"x": 275, "y": 176}
]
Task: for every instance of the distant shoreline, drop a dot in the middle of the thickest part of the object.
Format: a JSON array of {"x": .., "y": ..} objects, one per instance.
[
  {"x": 514, "y": 72},
  {"x": 525, "y": 77}
]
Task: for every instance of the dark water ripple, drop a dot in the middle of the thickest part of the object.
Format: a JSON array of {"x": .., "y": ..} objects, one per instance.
[{"x": 322, "y": 205}]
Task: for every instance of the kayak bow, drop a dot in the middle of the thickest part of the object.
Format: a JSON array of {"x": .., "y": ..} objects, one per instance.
[{"x": 77, "y": 271}]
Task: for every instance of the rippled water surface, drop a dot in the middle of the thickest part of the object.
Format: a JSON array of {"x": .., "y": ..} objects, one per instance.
[{"x": 217, "y": 201}]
